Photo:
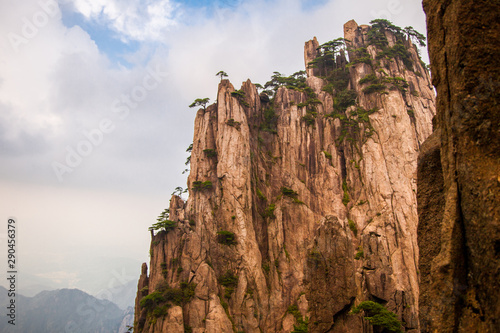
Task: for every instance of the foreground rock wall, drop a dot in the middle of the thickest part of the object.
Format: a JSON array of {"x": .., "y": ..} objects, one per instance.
[
  {"x": 459, "y": 171},
  {"x": 321, "y": 202}
]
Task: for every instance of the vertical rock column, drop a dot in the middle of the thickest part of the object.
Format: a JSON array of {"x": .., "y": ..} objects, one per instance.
[{"x": 463, "y": 277}]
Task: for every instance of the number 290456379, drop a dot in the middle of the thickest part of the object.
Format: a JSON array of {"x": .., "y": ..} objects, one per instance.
[{"x": 11, "y": 244}]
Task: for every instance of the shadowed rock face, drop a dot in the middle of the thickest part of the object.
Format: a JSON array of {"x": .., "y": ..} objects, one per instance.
[
  {"x": 321, "y": 202},
  {"x": 460, "y": 245}
]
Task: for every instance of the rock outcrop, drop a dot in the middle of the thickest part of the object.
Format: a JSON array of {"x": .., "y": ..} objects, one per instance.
[
  {"x": 300, "y": 206},
  {"x": 459, "y": 171}
]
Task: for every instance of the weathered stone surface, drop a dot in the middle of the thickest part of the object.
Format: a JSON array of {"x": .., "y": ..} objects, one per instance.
[
  {"x": 462, "y": 283},
  {"x": 299, "y": 249},
  {"x": 330, "y": 272},
  {"x": 310, "y": 53},
  {"x": 142, "y": 285},
  {"x": 431, "y": 203}
]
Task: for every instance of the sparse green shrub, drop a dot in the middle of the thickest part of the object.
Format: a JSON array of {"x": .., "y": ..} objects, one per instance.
[
  {"x": 261, "y": 196},
  {"x": 398, "y": 50},
  {"x": 369, "y": 78},
  {"x": 236, "y": 124},
  {"x": 200, "y": 186},
  {"x": 361, "y": 55},
  {"x": 302, "y": 324},
  {"x": 229, "y": 281},
  {"x": 160, "y": 300},
  {"x": 338, "y": 79},
  {"x": 398, "y": 82},
  {"x": 374, "y": 87},
  {"x": 165, "y": 225},
  {"x": 270, "y": 120},
  {"x": 353, "y": 227},
  {"x": 269, "y": 211},
  {"x": 309, "y": 119},
  {"x": 192, "y": 223},
  {"x": 226, "y": 237},
  {"x": 327, "y": 155},
  {"x": 161, "y": 311},
  {"x": 225, "y": 305},
  {"x": 289, "y": 192},
  {"x": 379, "y": 316},
  {"x": 360, "y": 254},
  {"x": 152, "y": 300},
  {"x": 210, "y": 152},
  {"x": 302, "y": 327},
  {"x": 164, "y": 270},
  {"x": 344, "y": 99},
  {"x": 181, "y": 296},
  {"x": 346, "y": 198},
  {"x": 240, "y": 96}
]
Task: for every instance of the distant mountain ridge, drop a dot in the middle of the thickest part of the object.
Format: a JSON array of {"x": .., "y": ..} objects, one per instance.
[{"x": 63, "y": 310}]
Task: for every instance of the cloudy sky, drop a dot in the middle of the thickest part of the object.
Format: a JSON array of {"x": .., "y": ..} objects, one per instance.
[{"x": 94, "y": 116}]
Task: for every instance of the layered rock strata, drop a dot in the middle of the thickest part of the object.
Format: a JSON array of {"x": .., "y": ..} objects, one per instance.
[{"x": 300, "y": 207}]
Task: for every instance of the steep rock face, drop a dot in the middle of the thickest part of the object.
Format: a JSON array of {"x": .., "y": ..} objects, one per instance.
[
  {"x": 299, "y": 207},
  {"x": 460, "y": 278}
]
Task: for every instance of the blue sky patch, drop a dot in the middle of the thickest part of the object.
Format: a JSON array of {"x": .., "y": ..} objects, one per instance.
[
  {"x": 210, "y": 3},
  {"x": 107, "y": 40},
  {"x": 312, "y": 4}
]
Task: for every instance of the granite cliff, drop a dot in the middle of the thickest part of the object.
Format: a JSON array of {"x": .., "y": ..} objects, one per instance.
[
  {"x": 302, "y": 199},
  {"x": 459, "y": 171}
]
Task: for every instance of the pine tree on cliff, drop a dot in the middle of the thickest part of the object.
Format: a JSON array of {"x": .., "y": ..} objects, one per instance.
[
  {"x": 200, "y": 102},
  {"x": 222, "y": 75}
]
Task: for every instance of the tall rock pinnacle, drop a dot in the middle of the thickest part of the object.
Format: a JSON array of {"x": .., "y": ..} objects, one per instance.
[{"x": 301, "y": 205}]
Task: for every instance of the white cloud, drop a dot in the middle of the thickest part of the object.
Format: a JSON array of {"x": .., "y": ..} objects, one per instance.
[
  {"x": 60, "y": 83},
  {"x": 131, "y": 19}
]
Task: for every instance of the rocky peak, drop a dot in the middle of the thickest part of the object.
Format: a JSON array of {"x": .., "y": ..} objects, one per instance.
[
  {"x": 301, "y": 205},
  {"x": 310, "y": 53}
]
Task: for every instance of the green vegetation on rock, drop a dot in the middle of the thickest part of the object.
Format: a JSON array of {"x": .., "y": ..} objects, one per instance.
[
  {"x": 230, "y": 282},
  {"x": 226, "y": 237},
  {"x": 379, "y": 316},
  {"x": 201, "y": 186},
  {"x": 158, "y": 302},
  {"x": 302, "y": 323},
  {"x": 200, "y": 102}
]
